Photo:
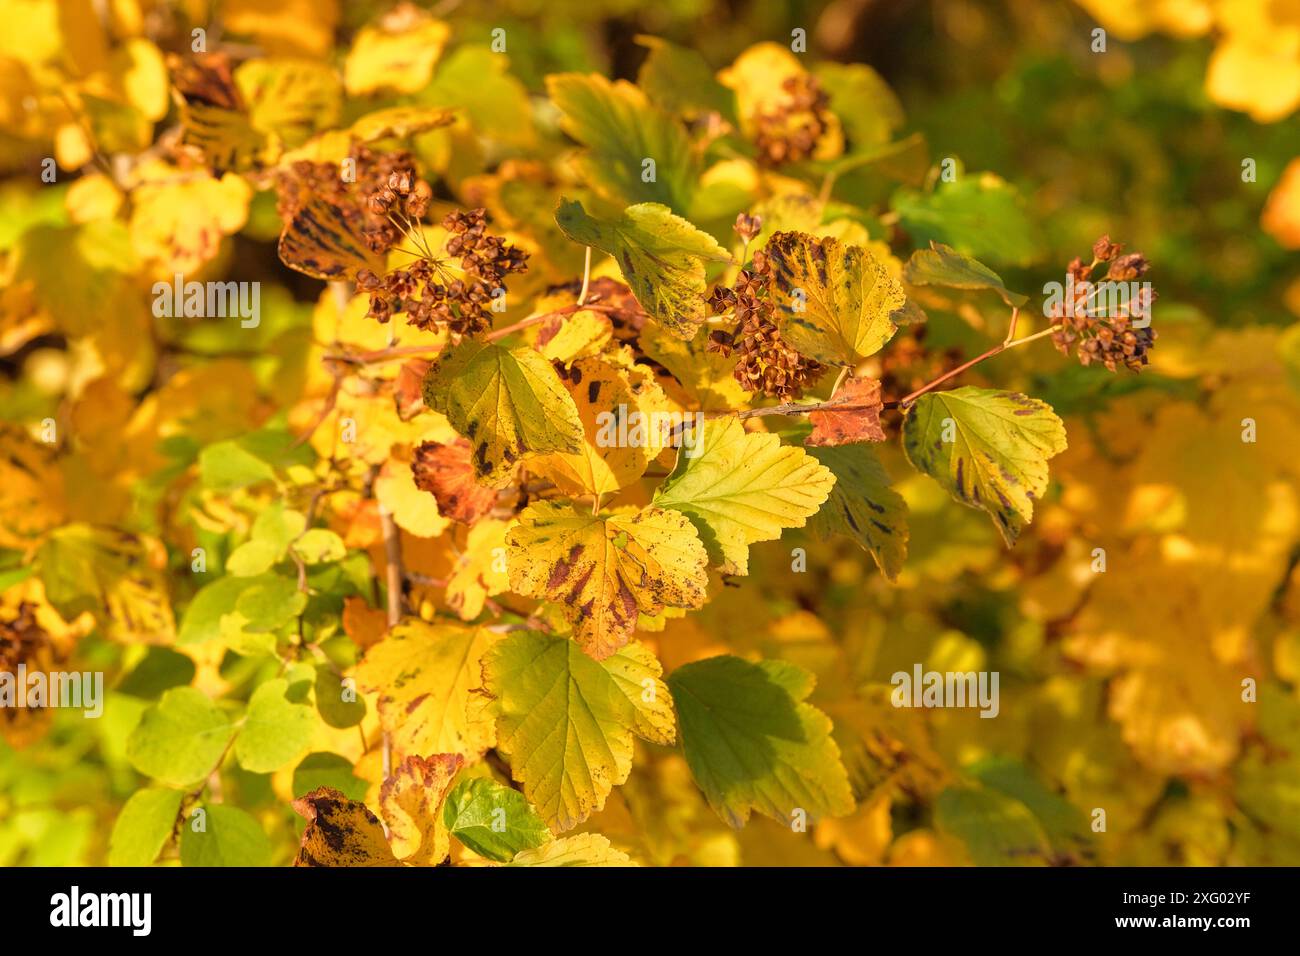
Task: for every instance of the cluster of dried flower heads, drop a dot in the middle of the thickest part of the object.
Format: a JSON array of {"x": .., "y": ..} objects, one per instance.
[
  {"x": 433, "y": 296},
  {"x": 1123, "y": 338},
  {"x": 789, "y": 133},
  {"x": 765, "y": 362}
]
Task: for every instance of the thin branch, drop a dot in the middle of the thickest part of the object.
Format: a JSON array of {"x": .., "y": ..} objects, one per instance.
[{"x": 586, "y": 276}]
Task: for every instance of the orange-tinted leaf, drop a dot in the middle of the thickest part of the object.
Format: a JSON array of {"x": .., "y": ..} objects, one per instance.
[
  {"x": 860, "y": 421},
  {"x": 446, "y": 472}
]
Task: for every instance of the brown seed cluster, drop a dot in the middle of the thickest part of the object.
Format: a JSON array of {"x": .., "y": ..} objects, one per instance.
[
  {"x": 765, "y": 362},
  {"x": 433, "y": 296},
  {"x": 789, "y": 133},
  {"x": 1086, "y": 325}
]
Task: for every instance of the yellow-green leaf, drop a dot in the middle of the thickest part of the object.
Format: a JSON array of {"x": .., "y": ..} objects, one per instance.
[
  {"x": 988, "y": 449},
  {"x": 862, "y": 506},
  {"x": 583, "y": 849},
  {"x": 753, "y": 744},
  {"x": 622, "y": 131},
  {"x": 661, "y": 256},
  {"x": 509, "y": 403},
  {"x": 837, "y": 302},
  {"x": 565, "y": 721},
  {"x": 740, "y": 487}
]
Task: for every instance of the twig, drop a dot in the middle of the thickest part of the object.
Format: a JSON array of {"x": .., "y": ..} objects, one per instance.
[{"x": 586, "y": 276}]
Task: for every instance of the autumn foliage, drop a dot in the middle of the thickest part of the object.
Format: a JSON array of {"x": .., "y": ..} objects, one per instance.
[{"x": 447, "y": 452}]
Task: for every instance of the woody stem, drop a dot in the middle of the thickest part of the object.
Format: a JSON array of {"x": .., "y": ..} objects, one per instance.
[{"x": 907, "y": 400}]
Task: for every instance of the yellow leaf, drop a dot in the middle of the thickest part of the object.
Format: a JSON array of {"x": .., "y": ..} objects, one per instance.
[
  {"x": 621, "y": 412},
  {"x": 606, "y": 568},
  {"x": 427, "y": 676},
  {"x": 291, "y": 27},
  {"x": 411, "y": 800},
  {"x": 480, "y": 570},
  {"x": 178, "y": 219},
  {"x": 414, "y": 510},
  {"x": 397, "y": 54}
]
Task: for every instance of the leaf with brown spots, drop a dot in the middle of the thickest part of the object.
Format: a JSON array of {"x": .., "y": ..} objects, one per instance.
[
  {"x": 446, "y": 472},
  {"x": 411, "y": 801},
  {"x": 318, "y": 240},
  {"x": 625, "y": 425},
  {"x": 838, "y": 303},
  {"x": 427, "y": 676},
  {"x": 509, "y": 403},
  {"x": 863, "y": 507},
  {"x": 566, "y": 722},
  {"x": 606, "y": 568},
  {"x": 340, "y": 832},
  {"x": 662, "y": 258},
  {"x": 988, "y": 449},
  {"x": 859, "y": 422}
]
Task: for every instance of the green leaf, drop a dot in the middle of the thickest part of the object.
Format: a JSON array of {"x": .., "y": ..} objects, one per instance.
[
  {"x": 225, "y": 466},
  {"x": 988, "y": 449},
  {"x": 253, "y": 558},
  {"x": 621, "y": 130},
  {"x": 838, "y": 304},
  {"x": 334, "y": 709},
  {"x": 271, "y": 602},
  {"x": 493, "y": 820},
  {"x": 679, "y": 80},
  {"x": 944, "y": 266},
  {"x": 740, "y": 487},
  {"x": 996, "y": 829},
  {"x": 180, "y": 739},
  {"x": 509, "y": 404},
  {"x": 979, "y": 215},
  {"x": 564, "y": 721},
  {"x": 318, "y": 546},
  {"x": 143, "y": 827},
  {"x": 661, "y": 257},
  {"x": 277, "y": 730},
  {"x": 863, "y": 101},
  {"x": 1065, "y": 825},
  {"x": 278, "y": 526},
  {"x": 324, "y": 769},
  {"x": 202, "y": 619},
  {"x": 161, "y": 669},
  {"x": 230, "y": 837},
  {"x": 863, "y": 506},
  {"x": 752, "y": 744}
]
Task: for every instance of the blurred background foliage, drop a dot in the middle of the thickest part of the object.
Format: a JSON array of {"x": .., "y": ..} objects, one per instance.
[{"x": 1121, "y": 691}]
